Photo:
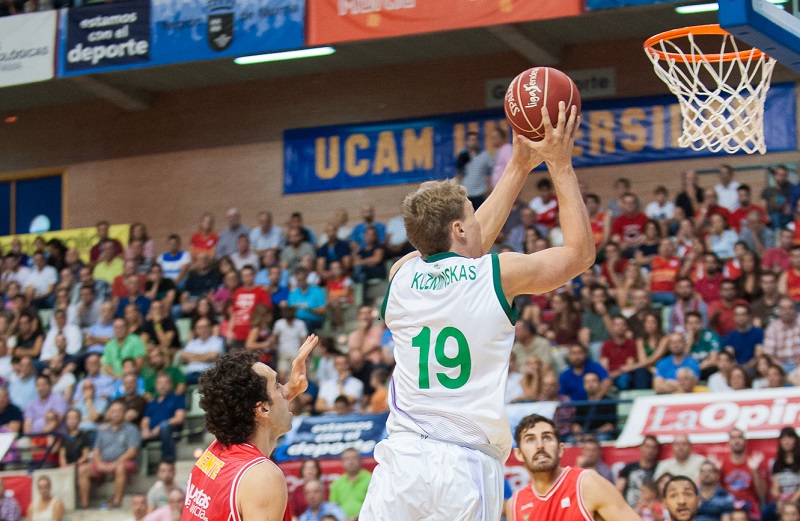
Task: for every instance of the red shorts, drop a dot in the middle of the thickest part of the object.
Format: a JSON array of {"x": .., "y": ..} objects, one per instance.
[{"x": 102, "y": 470}]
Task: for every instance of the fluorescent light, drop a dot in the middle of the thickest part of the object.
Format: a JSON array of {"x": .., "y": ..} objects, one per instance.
[
  {"x": 713, "y": 6},
  {"x": 286, "y": 55}
]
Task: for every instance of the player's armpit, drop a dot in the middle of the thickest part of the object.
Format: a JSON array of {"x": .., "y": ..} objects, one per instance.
[
  {"x": 542, "y": 271},
  {"x": 262, "y": 493},
  {"x": 603, "y": 500}
]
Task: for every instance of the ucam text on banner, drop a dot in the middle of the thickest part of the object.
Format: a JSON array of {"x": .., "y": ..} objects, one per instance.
[
  {"x": 411, "y": 151},
  {"x": 27, "y": 48},
  {"x": 141, "y": 33},
  {"x": 331, "y": 21},
  {"x": 709, "y": 417}
]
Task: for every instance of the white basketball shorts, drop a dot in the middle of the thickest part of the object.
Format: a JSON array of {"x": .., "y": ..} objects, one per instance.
[{"x": 423, "y": 480}]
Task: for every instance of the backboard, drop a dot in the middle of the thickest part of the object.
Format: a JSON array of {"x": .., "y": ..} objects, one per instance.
[{"x": 765, "y": 26}]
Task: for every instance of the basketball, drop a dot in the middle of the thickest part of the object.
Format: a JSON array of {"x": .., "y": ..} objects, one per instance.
[{"x": 536, "y": 88}]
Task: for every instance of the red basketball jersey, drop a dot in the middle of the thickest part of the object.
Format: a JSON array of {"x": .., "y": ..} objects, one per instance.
[
  {"x": 563, "y": 502},
  {"x": 214, "y": 481}
]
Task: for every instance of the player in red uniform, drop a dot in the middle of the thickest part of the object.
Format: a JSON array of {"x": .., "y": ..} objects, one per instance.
[
  {"x": 247, "y": 410},
  {"x": 559, "y": 493}
]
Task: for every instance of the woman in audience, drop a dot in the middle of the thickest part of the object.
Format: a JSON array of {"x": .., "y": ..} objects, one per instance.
[
  {"x": 205, "y": 240},
  {"x": 76, "y": 443},
  {"x": 204, "y": 309},
  {"x": 531, "y": 236},
  {"x": 368, "y": 262},
  {"x": 48, "y": 507},
  {"x": 225, "y": 266},
  {"x": 596, "y": 318},
  {"x": 652, "y": 346},
  {"x": 632, "y": 279},
  {"x": 785, "y": 475},
  {"x": 738, "y": 380},
  {"x": 310, "y": 470},
  {"x": 748, "y": 283},
  {"x": 12, "y": 290},
  {"x": 721, "y": 240},
  {"x": 138, "y": 232},
  {"x": 224, "y": 295},
  {"x": 776, "y": 377},
  {"x": 647, "y": 250},
  {"x": 260, "y": 336},
  {"x": 693, "y": 264},
  {"x": 566, "y": 321},
  {"x": 57, "y": 254},
  {"x": 762, "y": 366}
]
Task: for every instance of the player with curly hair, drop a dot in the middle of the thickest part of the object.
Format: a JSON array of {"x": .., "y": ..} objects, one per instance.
[{"x": 247, "y": 409}]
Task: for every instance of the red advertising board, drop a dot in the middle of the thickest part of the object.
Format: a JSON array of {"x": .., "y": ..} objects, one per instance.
[{"x": 332, "y": 21}]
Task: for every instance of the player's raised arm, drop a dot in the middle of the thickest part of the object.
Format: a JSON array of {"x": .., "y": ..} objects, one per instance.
[
  {"x": 549, "y": 269},
  {"x": 493, "y": 213},
  {"x": 601, "y": 497}
]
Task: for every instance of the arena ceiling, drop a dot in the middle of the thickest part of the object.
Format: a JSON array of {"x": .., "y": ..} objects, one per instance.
[{"x": 540, "y": 42}]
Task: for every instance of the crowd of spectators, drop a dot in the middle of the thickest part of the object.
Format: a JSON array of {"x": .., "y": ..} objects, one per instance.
[{"x": 96, "y": 353}]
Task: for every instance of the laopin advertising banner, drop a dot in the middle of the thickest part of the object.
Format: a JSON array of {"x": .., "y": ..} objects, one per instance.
[
  {"x": 27, "y": 48},
  {"x": 618, "y": 131},
  {"x": 709, "y": 417},
  {"x": 331, "y": 21},
  {"x": 142, "y": 33}
]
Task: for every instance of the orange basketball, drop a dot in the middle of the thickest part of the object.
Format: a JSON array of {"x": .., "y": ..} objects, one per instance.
[{"x": 536, "y": 88}]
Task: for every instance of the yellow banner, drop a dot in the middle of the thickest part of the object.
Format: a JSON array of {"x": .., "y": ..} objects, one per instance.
[{"x": 82, "y": 239}]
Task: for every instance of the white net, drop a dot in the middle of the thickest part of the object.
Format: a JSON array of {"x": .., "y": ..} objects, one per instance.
[{"x": 721, "y": 95}]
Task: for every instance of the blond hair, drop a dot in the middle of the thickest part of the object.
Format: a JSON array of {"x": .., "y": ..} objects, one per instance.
[{"x": 429, "y": 212}]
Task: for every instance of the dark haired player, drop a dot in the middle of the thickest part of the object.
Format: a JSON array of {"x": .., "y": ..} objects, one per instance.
[
  {"x": 559, "y": 493},
  {"x": 247, "y": 410},
  {"x": 682, "y": 498}
]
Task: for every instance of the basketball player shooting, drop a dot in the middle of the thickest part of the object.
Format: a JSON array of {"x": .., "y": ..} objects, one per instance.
[
  {"x": 559, "y": 493},
  {"x": 247, "y": 409},
  {"x": 448, "y": 309}
]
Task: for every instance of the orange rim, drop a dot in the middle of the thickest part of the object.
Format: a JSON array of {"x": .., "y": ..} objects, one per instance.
[{"x": 712, "y": 29}]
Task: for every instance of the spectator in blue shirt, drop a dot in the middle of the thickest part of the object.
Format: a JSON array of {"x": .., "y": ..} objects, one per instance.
[
  {"x": 309, "y": 301},
  {"x": 666, "y": 380},
  {"x": 360, "y": 229},
  {"x": 571, "y": 380},
  {"x": 745, "y": 338},
  {"x": 318, "y": 508},
  {"x": 135, "y": 296},
  {"x": 163, "y": 417},
  {"x": 331, "y": 251},
  {"x": 715, "y": 502}
]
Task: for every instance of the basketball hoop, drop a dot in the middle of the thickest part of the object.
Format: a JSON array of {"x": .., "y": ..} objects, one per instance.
[{"x": 721, "y": 95}]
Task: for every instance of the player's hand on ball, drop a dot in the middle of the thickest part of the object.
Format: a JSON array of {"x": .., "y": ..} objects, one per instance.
[
  {"x": 298, "y": 381},
  {"x": 556, "y": 147}
]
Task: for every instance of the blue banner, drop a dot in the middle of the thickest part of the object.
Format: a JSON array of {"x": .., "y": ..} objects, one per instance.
[
  {"x": 612, "y": 132},
  {"x": 328, "y": 436},
  {"x": 140, "y": 33},
  {"x": 612, "y": 4}
]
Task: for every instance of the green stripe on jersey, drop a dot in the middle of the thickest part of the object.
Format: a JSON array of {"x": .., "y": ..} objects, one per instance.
[{"x": 511, "y": 312}]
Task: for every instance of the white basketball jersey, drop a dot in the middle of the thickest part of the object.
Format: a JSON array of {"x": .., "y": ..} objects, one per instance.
[{"x": 453, "y": 332}]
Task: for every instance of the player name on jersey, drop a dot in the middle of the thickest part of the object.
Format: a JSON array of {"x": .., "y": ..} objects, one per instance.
[{"x": 437, "y": 281}]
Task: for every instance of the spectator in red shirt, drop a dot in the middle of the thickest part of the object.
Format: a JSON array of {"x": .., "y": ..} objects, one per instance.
[
  {"x": 739, "y": 216},
  {"x": 720, "y": 312},
  {"x": 708, "y": 287},
  {"x": 628, "y": 228},
  {"x": 777, "y": 259},
  {"x": 742, "y": 475},
  {"x": 789, "y": 280},
  {"x": 545, "y": 205},
  {"x": 245, "y": 300},
  {"x": 205, "y": 240},
  {"x": 664, "y": 271},
  {"x": 599, "y": 221},
  {"x": 102, "y": 234},
  {"x": 119, "y": 289},
  {"x": 618, "y": 355},
  {"x": 709, "y": 207},
  {"x": 612, "y": 269}
]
